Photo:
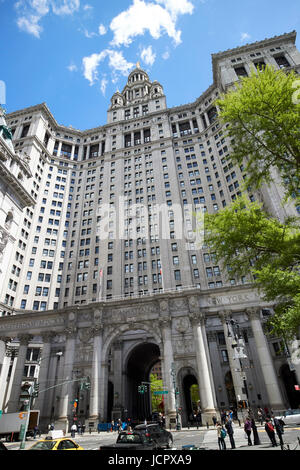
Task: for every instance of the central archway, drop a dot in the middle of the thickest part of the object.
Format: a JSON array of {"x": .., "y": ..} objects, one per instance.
[{"x": 139, "y": 364}]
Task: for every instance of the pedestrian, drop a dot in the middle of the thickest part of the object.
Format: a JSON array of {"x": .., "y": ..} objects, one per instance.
[
  {"x": 79, "y": 428},
  {"x": 229, "y": 429},
  {"x": 214, "y": 420},
  {"x": 278, "y": 423},
  {"x": 221, "y": 433},
  {"x": 269, "y": 428},
  {"x": 73, "y": 430},
  {"x": 36, "y": 431},
  {"x": 260, "y": 416},
  {"x": 247, "y": 429},
  {"x": 83, "y": 428}
]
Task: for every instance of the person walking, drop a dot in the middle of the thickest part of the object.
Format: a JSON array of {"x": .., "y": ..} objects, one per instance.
[
  {"x": 247, "y": 429},
  {"x": 221, "y": 433},
  {"x": 269, "y": 428},
  {"x": 278, "y": 423},
  {"x": 73, "y": 430},
  {"x": 214, "y": 420},
  {"x": 229, "y": 429},
  {"x": 260, "y": 416}
]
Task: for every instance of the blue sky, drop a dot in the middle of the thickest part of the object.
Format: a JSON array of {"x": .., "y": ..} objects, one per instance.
[{"x": 74, "y": 54}]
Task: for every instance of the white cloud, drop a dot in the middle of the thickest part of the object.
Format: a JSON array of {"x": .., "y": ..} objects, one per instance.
[
  {"x": 89, "y": 35},
  {"x": 65, "y": 7},
  {"x": 245, "y": 37},
  {"x": 166, "y": 55},
  {"x": 30, "y": 25},
  {"x": 31, "y": 12},
  {"x": 90, "y": 65},
  {"x": 116, "y": 62},
  {"x": 152, "y": 17},
  {"x": 72, "y": 68},
  {"x": 177, "y": 7},
  {"x": 102, "y": 30},
  {"x": 148, "y": 56},
  {"x": 104, "y": 83}
]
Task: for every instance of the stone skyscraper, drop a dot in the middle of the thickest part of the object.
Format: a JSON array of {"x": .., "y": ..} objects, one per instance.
[{"x": 108, "y": 271}]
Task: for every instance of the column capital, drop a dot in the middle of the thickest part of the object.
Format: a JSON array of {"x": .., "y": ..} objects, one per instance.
[
  {"x": 224, "y": 315},
  {"x": 197, "y": 318},
  {"x": 24, "y": 339},
  {"x": 5, "y": 339},
  {"x": 70, "y": 332},
  {"x": 165, "y": 322},
  {"x": 253, "y": 313},
  {"x": 47, "y": 336},
  {"x": 96, "y": 330}
]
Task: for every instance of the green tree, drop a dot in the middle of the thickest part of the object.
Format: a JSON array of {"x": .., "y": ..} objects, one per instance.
[
  {"x": 156, "y": 384},
  {"x": 262, "y": 116},
  {"x": 247, "y": 241}
]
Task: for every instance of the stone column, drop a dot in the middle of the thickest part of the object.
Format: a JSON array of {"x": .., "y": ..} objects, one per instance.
[
  {"x": 235, "y": 367},
  {"x": 165, "y": 325},
  {"x": 14, "y": 402},
  {"x": 67, "y": 388},
  {"x": 4, "y": 368},
  {"x": 43, "y": 372},
  {"x": 97, "y": 376},
  {"x": 50, "y": 395},
  {"x": 204, "y": 379},
  {"x": 265, "y": 359},
  {"x": 117, "y": 368}
]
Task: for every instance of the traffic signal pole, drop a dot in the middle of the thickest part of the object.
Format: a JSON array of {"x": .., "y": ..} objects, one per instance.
[{"x": 34, "y": 391}]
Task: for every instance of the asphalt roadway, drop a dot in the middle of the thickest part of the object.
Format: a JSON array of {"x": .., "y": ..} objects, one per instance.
[{"x": 203, "y": 438}]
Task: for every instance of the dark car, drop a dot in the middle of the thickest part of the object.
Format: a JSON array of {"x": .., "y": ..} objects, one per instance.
[
  {"x": 132, "y": 441},
  {"x": 162, "y": 437},
  {"x": 2, "y": 446}
]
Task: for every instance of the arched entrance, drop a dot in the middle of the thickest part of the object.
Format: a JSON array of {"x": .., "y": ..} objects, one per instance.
[
  {"x": 138, "y": 395},
  {"x": 230, "y": 390},
  {"x": 191, "y": 405},
  {"x": 289, "y": 381}
]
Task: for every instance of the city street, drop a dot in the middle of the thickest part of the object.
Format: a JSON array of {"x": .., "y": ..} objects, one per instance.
[{"x": 204, "y": 438}]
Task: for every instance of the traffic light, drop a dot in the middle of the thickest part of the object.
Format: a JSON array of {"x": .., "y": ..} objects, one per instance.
[
  {"x": 142, "y": 389},
  {"x": 85, "y": 386},
  {"x": 36, "y": 389}
]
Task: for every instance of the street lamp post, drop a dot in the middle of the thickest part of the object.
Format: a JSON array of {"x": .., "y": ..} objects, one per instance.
[
  {"x": 238, "y": 345},
  {"x": 176, "y": 392}
]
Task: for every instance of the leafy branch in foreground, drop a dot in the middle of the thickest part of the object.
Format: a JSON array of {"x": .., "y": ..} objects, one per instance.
[
  {"x": 263, "y": 123},
  {"x": 248, "y": 241}
]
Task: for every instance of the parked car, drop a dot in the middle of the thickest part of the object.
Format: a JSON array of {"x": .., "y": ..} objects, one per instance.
[
  {"x": 290, "y": 417},
  {"x": 162, "y": 437},
  {"x": 131, "y": 441}
]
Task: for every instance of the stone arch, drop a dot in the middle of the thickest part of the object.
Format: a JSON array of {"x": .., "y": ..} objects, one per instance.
[
  {"x": 186, "y": 377},
  {"x": 113, "y": 334},
  {"x": 289, "y": 380}
]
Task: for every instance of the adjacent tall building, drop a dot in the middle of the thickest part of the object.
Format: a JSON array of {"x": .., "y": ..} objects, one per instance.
[{"x": 108, "y": 277}]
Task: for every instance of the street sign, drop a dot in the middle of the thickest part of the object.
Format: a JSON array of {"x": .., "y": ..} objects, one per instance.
[{"x": 160, "y": 392}]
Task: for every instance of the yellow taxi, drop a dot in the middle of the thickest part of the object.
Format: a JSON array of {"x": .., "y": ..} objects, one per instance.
[{"x": 49, "y": 443}]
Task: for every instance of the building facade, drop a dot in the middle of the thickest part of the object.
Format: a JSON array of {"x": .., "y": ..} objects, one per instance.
[{"x": 113, "y": 278}]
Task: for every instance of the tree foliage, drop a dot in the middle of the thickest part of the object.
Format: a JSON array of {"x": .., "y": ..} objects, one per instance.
[
  {"x": 263, "y": 121},
  {"x": 247, "y": 241}
]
